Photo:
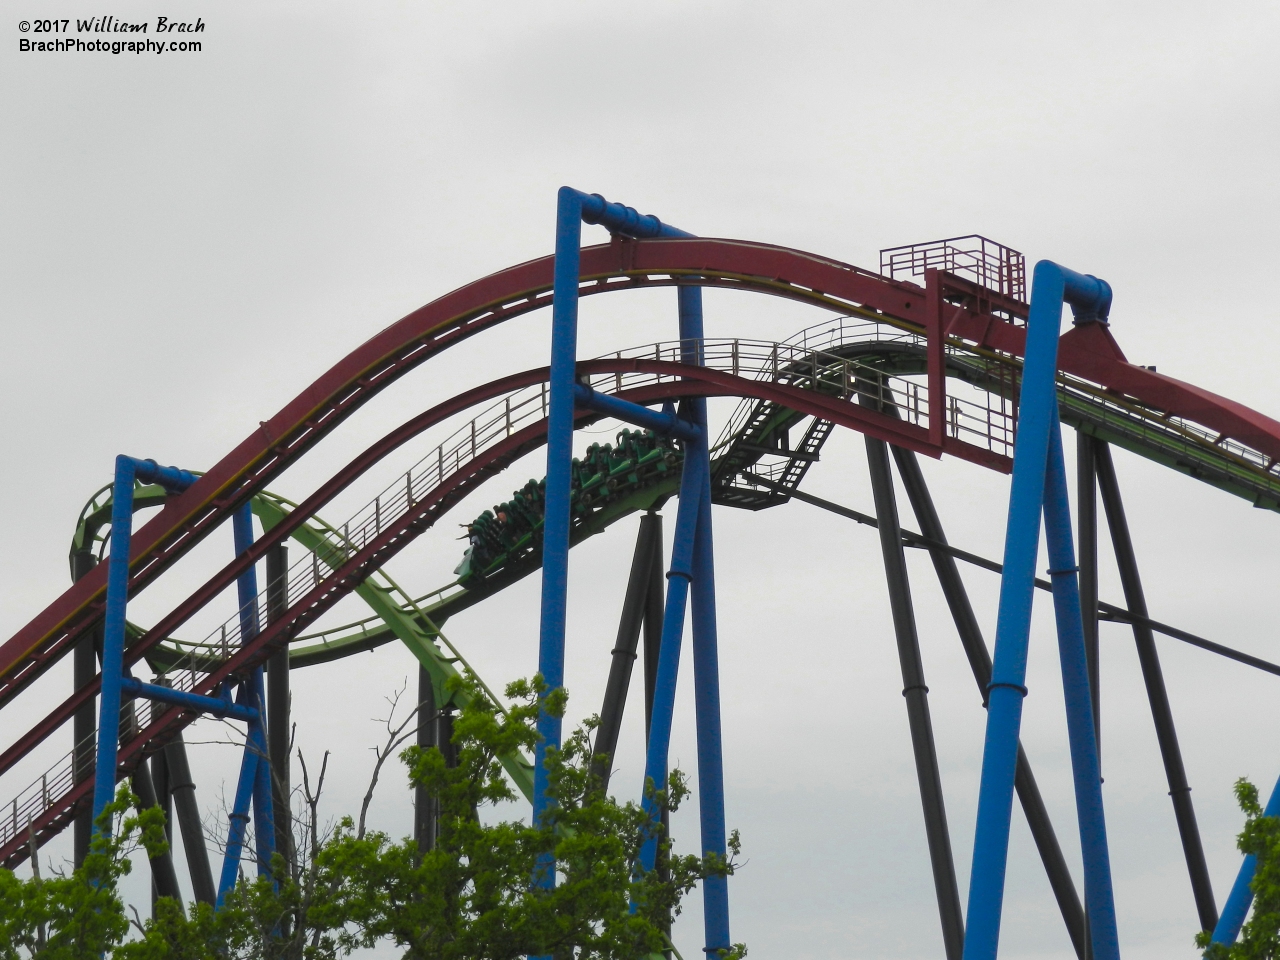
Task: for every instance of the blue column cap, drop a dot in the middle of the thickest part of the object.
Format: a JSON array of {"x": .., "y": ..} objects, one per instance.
[
  {"x": 621, "y": 219},
  {"x": 171, "y": 478}
]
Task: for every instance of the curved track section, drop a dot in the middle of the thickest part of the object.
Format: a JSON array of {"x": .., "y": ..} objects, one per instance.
[
  {"x": 886, "y": 350},
  {"x": 388, "y": 525},
  {"x": 971, "y": 314}
]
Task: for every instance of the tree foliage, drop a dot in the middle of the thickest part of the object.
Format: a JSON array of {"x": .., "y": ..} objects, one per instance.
[
  {"x": 468, "y": 898},
  {"x": 1260, "y": 936},
  {"x": 80, "y": 915}
]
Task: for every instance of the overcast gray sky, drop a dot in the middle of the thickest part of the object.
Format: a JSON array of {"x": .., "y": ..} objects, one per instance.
[{"x": 189, "y": 239}]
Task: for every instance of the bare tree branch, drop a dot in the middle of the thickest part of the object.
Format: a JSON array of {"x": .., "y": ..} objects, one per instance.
[
  {"x": 313, "y": 799},
  {"x": 396, "y": 736}
]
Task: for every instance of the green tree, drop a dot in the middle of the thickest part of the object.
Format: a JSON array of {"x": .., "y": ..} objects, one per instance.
[
  {"x": 79, "y": 916},
  {"x": 469, "y": 898},
  {"x": 1260, "y": 936}
]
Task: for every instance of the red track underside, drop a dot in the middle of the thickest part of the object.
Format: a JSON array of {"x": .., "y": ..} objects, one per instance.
[{"x": 1087, "y": 352}]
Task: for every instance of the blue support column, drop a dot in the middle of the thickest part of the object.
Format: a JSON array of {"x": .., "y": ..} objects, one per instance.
[
  {"x": 555, "y": 529},
  {"x": 263, "y": 804},
  {"x": 238, "y": 820},
  {"x": 664, "y": 691},
  {"x": 573, "y": 208},
  {"x": 254, "y": 785},
  {"x": 706, "y": 656},
  {"x": 104, "y": 783},
  {"x": 247, "y": 582},
  {"x": 173, "y": 480},
  {"x": 706, "y": 680},
  {"x": 254, "y": 693},
  {"x": 1099, "y": 896},
  {"x": 1241, "y": 896},
  {"x": 1051, "y": 286}
]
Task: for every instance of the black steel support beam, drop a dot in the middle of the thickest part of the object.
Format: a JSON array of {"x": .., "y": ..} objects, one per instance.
[
  {"x": 164, "y": 799},
  {"x": 1087, "y": 509},
  {"x": 444, "y": 736},
  {"x": 624, "y": 647},
  {"x": 917, "y": 696},
  {"x": 1161, "y": 712},
  {"x": 424, "y": 806},
  {"x": 279, "y": 728},
  {"x": 654, "y": 610},
  {"x": 435, "y": 729},
  {"x": 164, "y": 791},
  {"x": 183, "y": 789},
  {"x": 975, "y": 648},
  {"x": 164, "y": 878},
  {"x": 1106, "y": 611},
  {"x": 84, "y": 669}
]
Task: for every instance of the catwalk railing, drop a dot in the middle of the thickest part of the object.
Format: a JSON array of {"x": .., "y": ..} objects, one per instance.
[
  {"x": 788, "y": 363},
  {"x": 1146, "y": 430},
  {"x": 824, "y": 359}
]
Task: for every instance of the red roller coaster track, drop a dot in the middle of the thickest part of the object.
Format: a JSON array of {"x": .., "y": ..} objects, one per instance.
[{"x": 1087, "y": 352}]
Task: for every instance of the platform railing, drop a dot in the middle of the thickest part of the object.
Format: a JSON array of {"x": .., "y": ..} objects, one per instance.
[
  {"x": 19, "y": 816},
  {"x": 842, "y": 331},
  {"x": 30, "y": 804},
  {"x": 794, "y": 364},
  {"x": 995, "y": 266},
  {"x": 804, "y": 361}
]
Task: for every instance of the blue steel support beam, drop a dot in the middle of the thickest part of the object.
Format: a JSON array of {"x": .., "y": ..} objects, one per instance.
[
  {"x": 572, "y": 208},
  {"x": 666, "y": 424},
  {"x": 706, "y": 682},
  {"x": 263, "y": 803},
  {"x": 239, "y": 817},
  {"x": 1241, "y": 896},
  {"x": 706, "y": 656},
  {"x": 1090, "y": 297},
  {"x": 621, "y": 219},
  {"x": 254, "y": 691},
  {"x": 253, "y": 782},
  {"x": 191, "y": 701},
  {"x": 128, "y": 469},
  {"x": 1085, "y": 765},
  {"x": 247, "y": 582},
  {"x": 664, "y": 689},
  {"x": 555, "y": 530}
]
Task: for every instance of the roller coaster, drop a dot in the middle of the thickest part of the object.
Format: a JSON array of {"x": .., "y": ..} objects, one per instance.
[{"x": 939, "y": 353}]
